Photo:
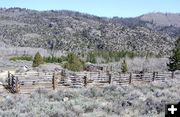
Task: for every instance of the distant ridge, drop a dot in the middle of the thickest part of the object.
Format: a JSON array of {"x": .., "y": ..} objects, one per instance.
[
  {"x": 79, "y": 32},
  {"x": 163, "y": 19}
]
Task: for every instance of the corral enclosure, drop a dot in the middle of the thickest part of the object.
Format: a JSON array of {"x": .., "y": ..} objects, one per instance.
[{"x": 27, "y": 82}]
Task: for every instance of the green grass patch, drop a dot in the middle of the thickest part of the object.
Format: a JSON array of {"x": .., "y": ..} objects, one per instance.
[{"x": 24, "y": 57}]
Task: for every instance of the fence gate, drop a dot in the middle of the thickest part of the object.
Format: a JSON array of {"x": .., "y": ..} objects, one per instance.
[{"x": 13, "y": 83}]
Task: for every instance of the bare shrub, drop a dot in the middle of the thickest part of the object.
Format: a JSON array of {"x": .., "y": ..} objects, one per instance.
[{"x": 133, "y": 100}]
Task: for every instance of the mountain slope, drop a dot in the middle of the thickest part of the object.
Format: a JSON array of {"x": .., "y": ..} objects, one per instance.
[
  {"x": 77, "y": 32},
  {"x": 163, "y": 19},
  {"x": 168, "y": 23}
]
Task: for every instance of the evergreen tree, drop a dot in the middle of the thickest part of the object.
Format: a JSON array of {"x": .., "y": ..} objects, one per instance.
[
  {"x": 174, "y": 60},
  {"x": 73, "y": 62},
  {"x": 91, "y": 57},
  {"x": 124, "y": 67},
  {"x": 38, "y": 59},
  {"x": 177, "y": 44}
]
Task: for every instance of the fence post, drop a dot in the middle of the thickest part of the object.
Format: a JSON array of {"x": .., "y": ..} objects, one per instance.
[
  {"x": 13, "y": 84},
  {"x": 62, "y": 74},
  {"x": 154, "y": 75},
  {"x": 54, "y": 81},
  {"x": 9, "y": 84},
  {"x": 8, "y": 74},
  {"x": 109, "y": 77},
  {"x": 141, "y": 75},
  {"x": 99, "y": 75},
  {"x": 130, "y": 78},
  {"x": 85, "y": 81}
]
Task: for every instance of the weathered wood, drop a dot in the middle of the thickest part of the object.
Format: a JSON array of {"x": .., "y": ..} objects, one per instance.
[
  {"x": 9, "y": 78},
  {"x": 154, "y": 75},
  {"x": 130, "y": 78},
  {"x": 157, "y": 74},
  {"x": 54, "y": 81},
  {"x": 8, "y": 74},
  {"x": 80, "y": 79},
  {"x": 13, "y": 84},
  {"x": 85, "y": 81},
  {"x": 109, "y": 77}
]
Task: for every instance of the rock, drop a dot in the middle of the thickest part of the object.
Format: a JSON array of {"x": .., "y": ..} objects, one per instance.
[
  {"x": 65, "y": 99},
  {"x": 126, "y": 103},
  {"x": 159, "y": 94}
]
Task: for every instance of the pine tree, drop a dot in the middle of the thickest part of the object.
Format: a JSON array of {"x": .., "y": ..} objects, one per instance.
[
  {"x": 38, "y": 59},
  {"x": 124, "y": 67},
  {"x": 91, "y": 57},
  {"x": 73, "y": 62},
  {"x": 174, "y": 60}
]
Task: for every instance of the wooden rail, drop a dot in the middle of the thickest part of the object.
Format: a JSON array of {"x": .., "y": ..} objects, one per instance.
[
  {"x": 24, "y": 82},
  {"x": 13, "y": 83}
]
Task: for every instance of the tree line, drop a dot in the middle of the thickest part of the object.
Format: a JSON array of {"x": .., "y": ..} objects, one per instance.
[{"x": 76, "y": 63}]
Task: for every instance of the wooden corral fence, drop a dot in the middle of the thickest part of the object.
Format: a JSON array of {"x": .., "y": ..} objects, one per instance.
[
  {"x": 27, "y": 82},
  {"x": 13, "y": 83}
]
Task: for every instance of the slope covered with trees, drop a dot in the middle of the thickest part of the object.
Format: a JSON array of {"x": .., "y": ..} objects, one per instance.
[{"x": 77, "y": 32}]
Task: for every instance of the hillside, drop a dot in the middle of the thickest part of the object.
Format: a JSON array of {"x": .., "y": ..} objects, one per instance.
[
  {"x": 77, "y": 32},
  {"x": 161, "y": 19},
  {"x": 168, "y": 23}
]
